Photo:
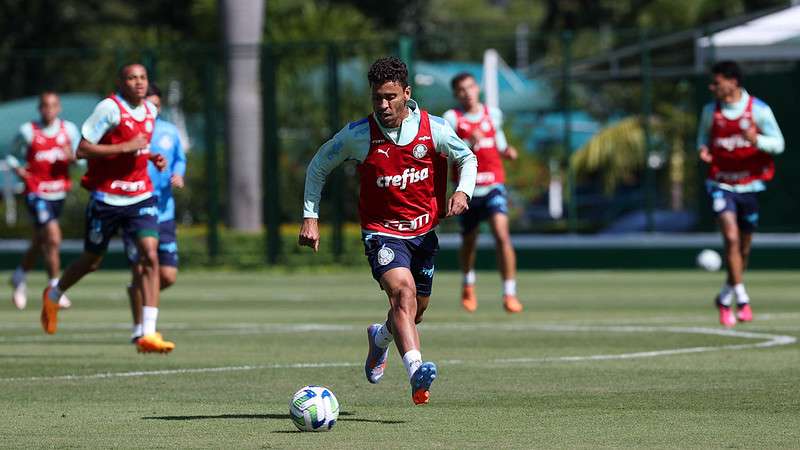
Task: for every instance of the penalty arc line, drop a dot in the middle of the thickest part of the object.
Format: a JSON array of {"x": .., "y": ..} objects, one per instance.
[{"x": 770, "y": 340}]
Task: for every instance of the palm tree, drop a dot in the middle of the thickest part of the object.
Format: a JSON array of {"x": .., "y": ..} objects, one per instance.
[{"x": 242, "y": 24}]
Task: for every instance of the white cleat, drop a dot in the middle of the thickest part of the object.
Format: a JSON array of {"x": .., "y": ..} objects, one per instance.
[
  {"x": 63, "y": 302},
  {"x": 20, "y": 296}
]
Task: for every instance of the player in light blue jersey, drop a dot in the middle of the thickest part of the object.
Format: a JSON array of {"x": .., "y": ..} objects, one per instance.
[{"x": 166, "y": 142}]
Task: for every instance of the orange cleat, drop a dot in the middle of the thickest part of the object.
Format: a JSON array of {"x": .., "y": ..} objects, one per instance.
[
  {"x": 468, "y": 299},
  {"x": 512, "y": 304},
  {"x": 49, "y": 317},
  {"x": 154, "y": 343}
]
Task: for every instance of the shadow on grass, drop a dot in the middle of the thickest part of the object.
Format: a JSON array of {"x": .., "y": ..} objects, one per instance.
[{"x": 344, "y": 416}]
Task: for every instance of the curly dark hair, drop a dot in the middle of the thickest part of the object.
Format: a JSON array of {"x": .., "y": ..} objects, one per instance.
[
  {"x": 388, "y": 69},
  {"x": 729, "y": 70}
]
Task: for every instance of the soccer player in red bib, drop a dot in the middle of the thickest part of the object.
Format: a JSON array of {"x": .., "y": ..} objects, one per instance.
[
  {"x": 116, "y": 143},
  {"x": 41, "y": 155},
  {"x": 398, "y": 150},
  {"x": 480, "y": 126},
  {"x": 737, "y": 137}
]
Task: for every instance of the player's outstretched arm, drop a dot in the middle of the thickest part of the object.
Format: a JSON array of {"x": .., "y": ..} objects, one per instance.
[
  {"x": 88, "y": 150},
  {"x": 337, "y": 150}
]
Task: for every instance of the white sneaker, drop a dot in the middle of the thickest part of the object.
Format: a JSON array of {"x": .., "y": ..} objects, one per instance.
[
  {"x": 63, "y": 302},
  {"x": 20, "y": 295}
]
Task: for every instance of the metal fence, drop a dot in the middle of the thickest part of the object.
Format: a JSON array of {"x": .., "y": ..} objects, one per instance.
[{"x": 639, "y": 91}]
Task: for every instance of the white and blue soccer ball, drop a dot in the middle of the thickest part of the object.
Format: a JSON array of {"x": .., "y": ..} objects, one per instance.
[
  {"x": 709, "y": 260},
  {"x": 314, "y": 408}
]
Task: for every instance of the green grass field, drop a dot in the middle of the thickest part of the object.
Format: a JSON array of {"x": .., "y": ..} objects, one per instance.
[{"x": 598, "y": 359}]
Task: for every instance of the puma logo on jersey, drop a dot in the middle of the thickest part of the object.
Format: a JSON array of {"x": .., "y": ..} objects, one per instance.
[
  {"x": 424, "y": 138},
  {"x": 128, "y": 124},
  {"x": 383, "y": 152},
  {"x": 402, "y": 181}
]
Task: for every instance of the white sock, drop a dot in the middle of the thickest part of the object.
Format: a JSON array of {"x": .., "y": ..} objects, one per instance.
[
  {"x": 383, "y": 337},
  {"x": 412, "y": 360},
  {"x": 741, "y": 294},
  {"x": 55, "y": 293},
  {"x": 510, "y": 287},
  {"x": 469, "y": 278},
  {"x": 53, "y": 282},
  {"x": 149, "y": 318},
  {"x": 138, "y": 330},
  {"x": 726, "y": 295},
  {"x": 18, "y": 277}
]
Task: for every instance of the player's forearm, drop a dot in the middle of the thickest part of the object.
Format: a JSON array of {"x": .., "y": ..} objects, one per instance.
[
  {"x": 316, "y": 175},
  {"x": 468, "y": 172},
  {"x": 88, "y": 150},
  {"x": 770, "y": 144}
]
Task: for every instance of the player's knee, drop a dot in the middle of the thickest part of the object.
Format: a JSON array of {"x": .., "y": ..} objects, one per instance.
[
  {"x": 168, "y": 278},
  {"x": 52, "y": 241},
  {"x": 404, "y": 299},
  {"x": 149, "y": 258}
]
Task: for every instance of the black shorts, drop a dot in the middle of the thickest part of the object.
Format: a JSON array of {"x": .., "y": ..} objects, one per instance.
[
  {"x": 743, "y": 204},
  {"x": 416, "y": 254},
  {"x": 482, "y": 208},
  {"x": 167, "y": 245},
  {"x": 103, "y": 220},
  {"x": 43, "y": 211}
]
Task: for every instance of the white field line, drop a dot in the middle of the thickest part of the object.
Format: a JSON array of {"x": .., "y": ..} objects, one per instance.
[{"x": 766, "y": 341}]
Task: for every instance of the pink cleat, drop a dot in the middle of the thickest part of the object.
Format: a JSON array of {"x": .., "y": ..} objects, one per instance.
[
  {"x": 726, "y": 318},
  {"x": 744, "y": 313}
]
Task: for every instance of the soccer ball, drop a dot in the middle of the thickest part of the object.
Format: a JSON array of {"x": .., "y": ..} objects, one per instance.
[
  {"x": 709, "y": 260},
  {"x": 314, "y": 408}
]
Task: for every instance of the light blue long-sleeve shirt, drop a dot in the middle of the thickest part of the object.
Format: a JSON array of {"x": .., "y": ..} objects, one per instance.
[
  {"x": 166, "y": 142},
  {"x": 351, "y": 143},
  {"x": 770, "y": 138}
]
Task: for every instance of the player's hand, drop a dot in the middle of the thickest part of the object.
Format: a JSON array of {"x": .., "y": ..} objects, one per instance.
[
  {"x": 475, "y": 139},
  {"x": 511, "y": 153},
  {"x": 176, "y": 181},
  {"x": 705, "y": 155},
  {"x": 457, "y": 204},
  {"x": 751, "y": 134},
  {"x": 135, "y": 144},
  {"x": 309, "y": 234},
  {"x": 68, "y": 151},
  {"x": 159, "y": 161}
]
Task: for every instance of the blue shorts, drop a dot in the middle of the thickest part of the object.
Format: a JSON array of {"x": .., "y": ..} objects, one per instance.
[
  {"x": 43, "y": 211},
  {"x": 743, "y": 204},
  {"x": 416, "y": 254},
  {"x": 103, "y": 220},
  {"x": 167, "y": 245},
  {"x": 482, "y": 208}
]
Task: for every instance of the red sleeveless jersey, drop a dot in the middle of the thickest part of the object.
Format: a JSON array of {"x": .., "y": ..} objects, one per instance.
[
  {"x": 122, "y": 174},
  {"x": 490, "y": 166},
  {"x": 398, "y": 194},
  {"x": 735, "y": 159},
  {"x": 47, "y": 162}
]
